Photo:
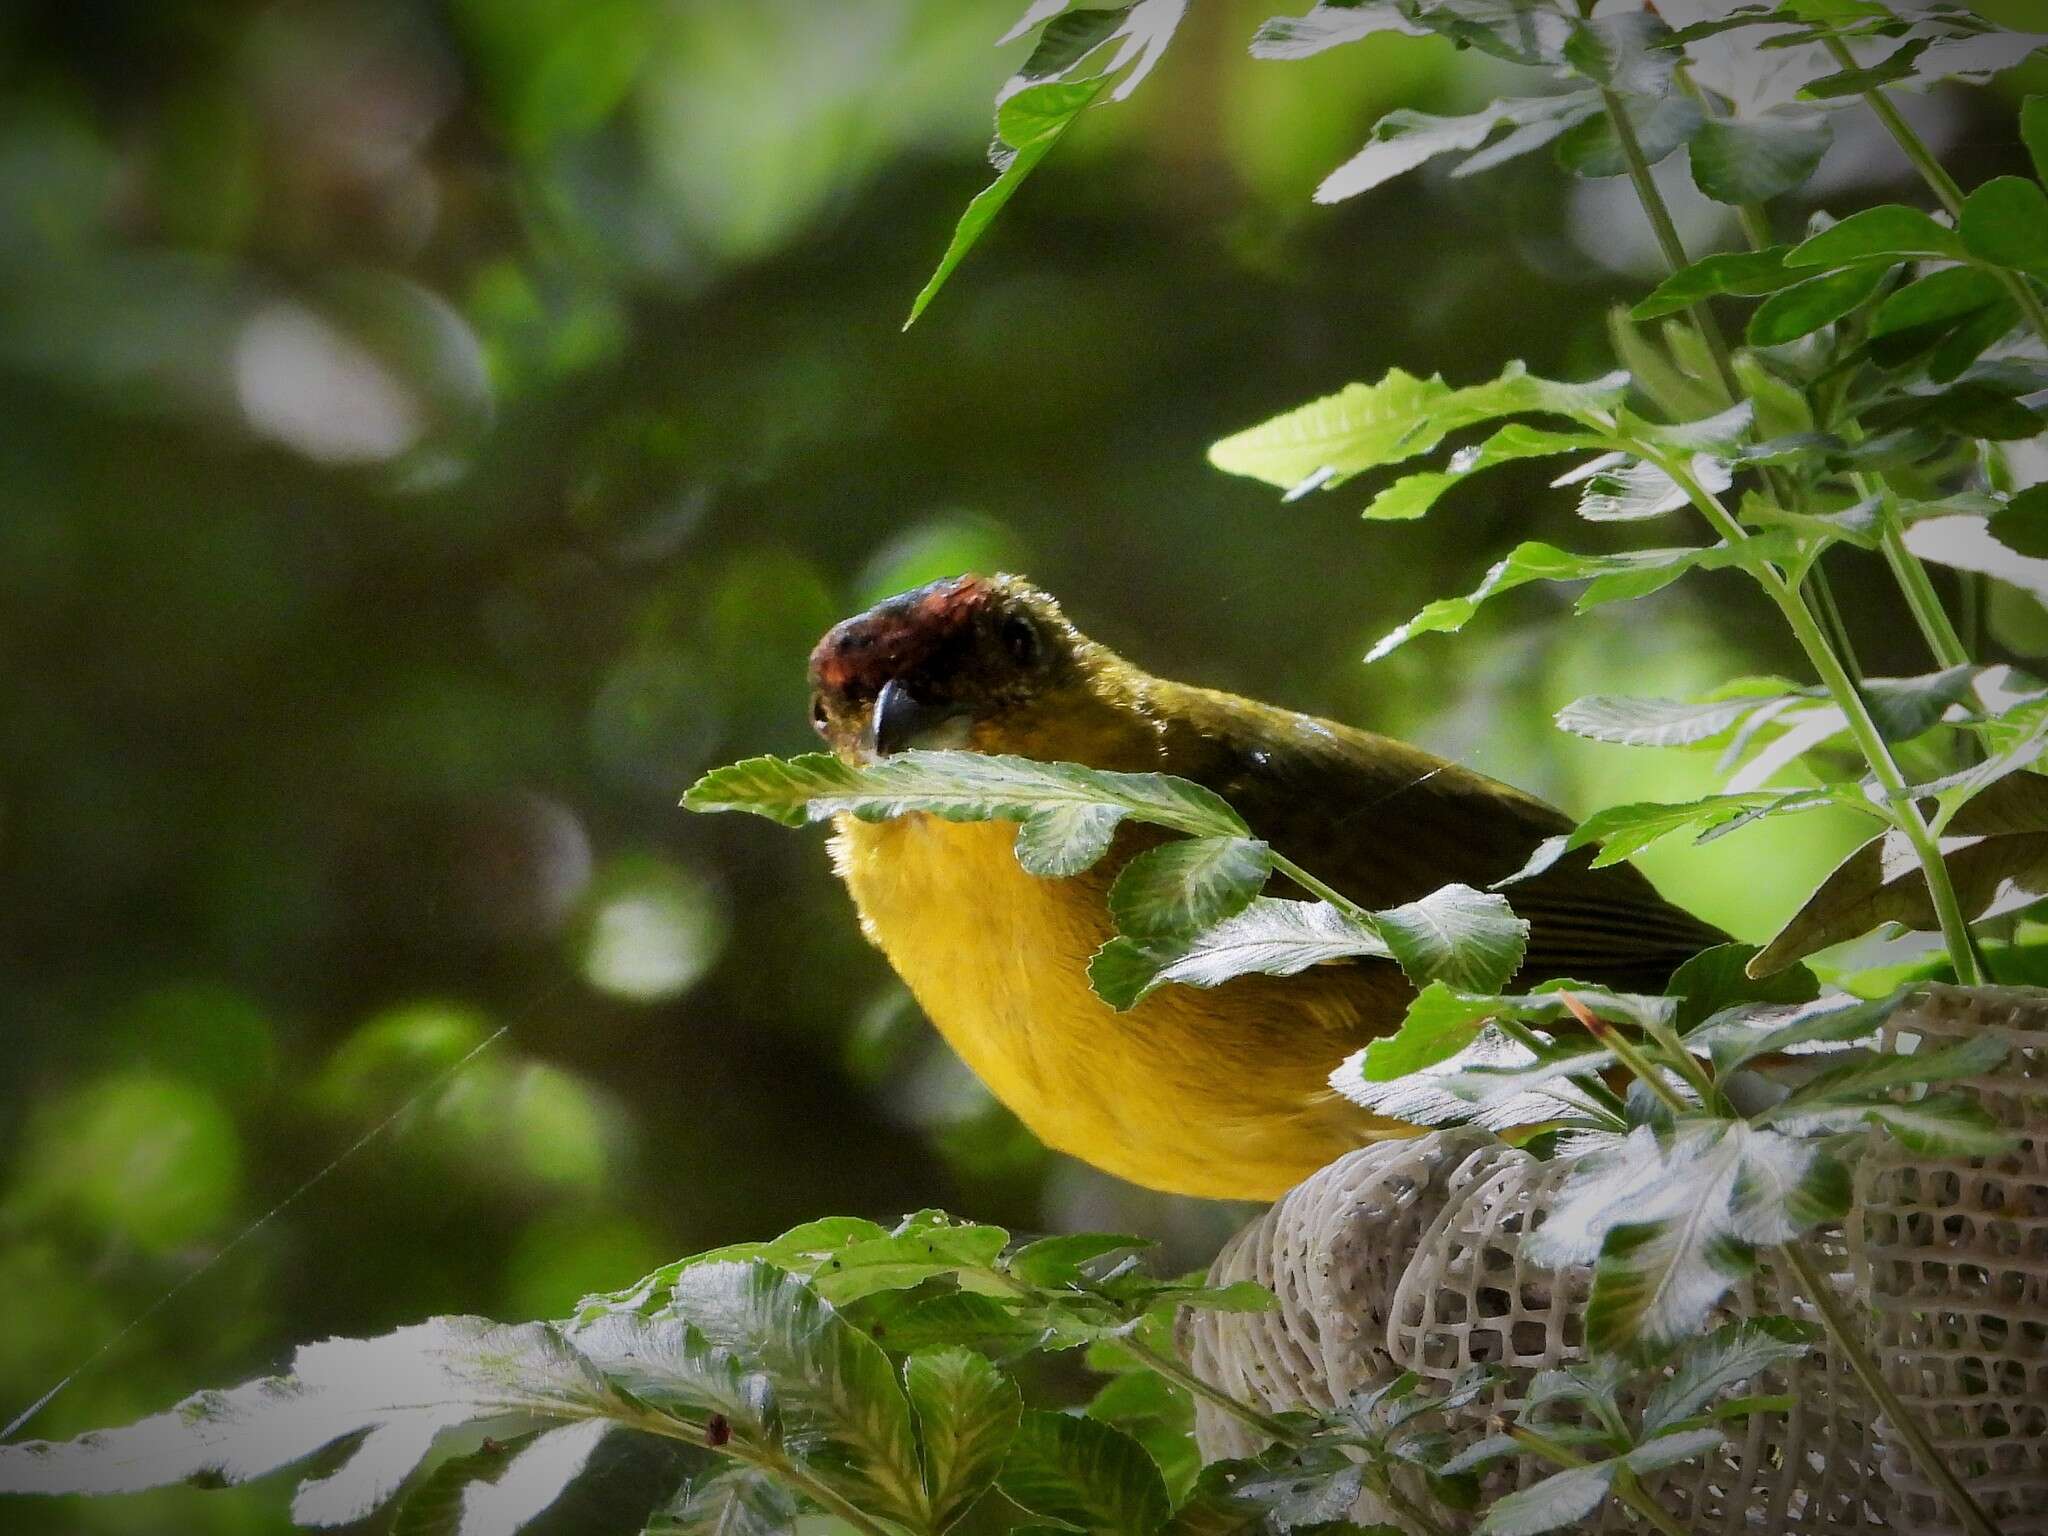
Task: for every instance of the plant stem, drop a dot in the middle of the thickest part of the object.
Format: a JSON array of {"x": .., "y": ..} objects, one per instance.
[
  {"x": 1600, "y": 1100},
  {"x": 1905, "y": 815},
  {"x": 1667, "y": 235},
  {"x": 1943, "y": 185},
  {"x": 1850, "y": 1346},
  {"x": 1628, "y": 1054},
  {"x": 1918, "y": 586},
  {"x": 1177, "y": 1371},
  {"x": 1626, "y": 1488}
]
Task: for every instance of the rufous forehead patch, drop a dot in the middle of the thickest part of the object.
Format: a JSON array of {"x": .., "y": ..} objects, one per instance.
[{"x": 860, "y": 654}]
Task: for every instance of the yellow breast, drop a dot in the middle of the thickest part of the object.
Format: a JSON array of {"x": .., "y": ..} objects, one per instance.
[{"x": 1221, "y": 1093}]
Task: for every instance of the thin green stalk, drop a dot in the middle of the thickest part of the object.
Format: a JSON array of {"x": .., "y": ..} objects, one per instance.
[
  {"x": 1177, "y": 1371},
  {"x": 1602, "y": 1100},
  {"x": 1849, "y": 1346},
  {"x": 1905, "y": 815},
  {"x": 1317, "y": 888},
  {"x": 1626, "y": 1487},
  {"x": 1918, "y": 586},
  {"x": 1943, "y": 185},
  {"x": 1628, "y": 1054}
]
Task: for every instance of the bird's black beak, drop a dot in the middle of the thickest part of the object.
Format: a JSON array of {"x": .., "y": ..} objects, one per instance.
[{"x": 902, "y": 719}]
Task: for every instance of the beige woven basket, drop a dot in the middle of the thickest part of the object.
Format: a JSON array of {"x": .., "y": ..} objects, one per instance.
[{"x": 1406, "y": 1256}]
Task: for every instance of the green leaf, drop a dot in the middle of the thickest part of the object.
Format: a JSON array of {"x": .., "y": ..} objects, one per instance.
[
  {"x": 1906, "y": 707},
  {"x": 1751, "y": 160},
  {"x": 1748, "y": 273},
  {"x": 1413, "y": 495},
  {"x": 1058, "y": 1260},
  {"x": 1806, "y": 307},
  {"x": 833, "y": 1382},
  {"x": 1067, "y": 839},
  {"x": 1944, "y": 1125},
  {"x": 1083, "y": 1473},
  {"x": 1271, "y": 936},
  {"x": 1615, "y": 578},
  {"x": 1881, "y": 1072},
  {"x": 2021, "y": 525},
  {"x": 1178, "y": 889},
  {"x": 1670, "y": 1450},
  {"x": 2034, "y": 132},
  {"x": 1470, "y": 939},
  {"x": 488, "y": 1494},
  {"x": 1031, "y": 122},
  {"x": 1890, "y": 234},
  {"x": 961, "y": 1317},
  {"x": 1327, "y": 26},
  {"x": 1662, "y": 124},
  {"x": 1881, "y": 882},
  {"x": 740, "y": 1501},
  {"x": 1743, "y": 1034},
  {"x": 1893, "y": 67},
  {"x": 967, "y": 1413},
  {"x": 1159, "y": 1416},
  {"x": 961, "y": 786},
  {"x": 1705, "y": 1368},
  {"x": 1655, "y": 722},
  {"x": 1404, "y": 139},
  {"x": 1560, "y": 1500},
  {"x": 1625, "y": 830},
  {"x": 398, "y": 1392},
  {"x": 2005, "y": 221},
  {"x": 1937, "y": 300}
]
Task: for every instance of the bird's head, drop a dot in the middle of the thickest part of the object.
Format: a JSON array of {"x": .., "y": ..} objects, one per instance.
[{"x": 987, "y": 663}]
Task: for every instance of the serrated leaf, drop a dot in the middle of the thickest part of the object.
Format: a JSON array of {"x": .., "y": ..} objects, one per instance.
[
  {"x": 836, "y": 1388},
  {"x": 1625, "y": 830},
  {"x": 1413, "y": 495},
  {"x": 1655, "y": 1281},
  {"x": 1906, "y": 707},
  {"x": 1742, "y": 1034},
  {"x": 961, "y": 786},
  {"x": 1805, "y": 307},
  {"x": 1626, "y": 491},
  {"x": 1654, "y": 722},
  {"x": 2021, "y": 525},
  {"x": 1470, "y": 939},
  {"x": 967, "y": 1414},
  {"x": 1271, "y": 936},
  {"x": 1944, "y": 1125},
  {"x": 1083, "y": 1473},
  {"x": 1727, "y": 1357},
  {"x": 1174, "y": 891},
  {"x": 1882, "y": 882},
  {"x": 1560, "y": 1500},
  {"x": 1750, "y": 274},
  {"x": 2005, "y": 222},
  {"x": 1672, "y": 1449},
  {"x": 399, "y": 1392},
  {"x": 740, "y": 1501},
  {"x": 1160, "y": 1416},
  {"x": 1495, "y": 1081},
  {"x": 1404, "y": 139},
  {"x": 1754, "y": 159},
  {"x": 1615, "y": 578},
  {"x": 1892, "y": 233},
  {"x": 1067, "y": 839},
  {"x": 1327, "y": 26},
  {"x": 1882, "y": 1072},
  {"x": 1031, "y": 123}
]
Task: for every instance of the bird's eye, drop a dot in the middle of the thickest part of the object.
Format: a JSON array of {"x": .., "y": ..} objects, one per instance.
[
  {"x": 818, "y": 720},
  {"x": 1020, "y": 638}
]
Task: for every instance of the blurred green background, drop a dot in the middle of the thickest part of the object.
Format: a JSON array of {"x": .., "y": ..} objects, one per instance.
[{"x": 431, "y": 434}]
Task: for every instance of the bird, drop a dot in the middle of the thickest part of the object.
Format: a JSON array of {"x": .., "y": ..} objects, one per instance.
[{"x": 1221, "y": 1093}]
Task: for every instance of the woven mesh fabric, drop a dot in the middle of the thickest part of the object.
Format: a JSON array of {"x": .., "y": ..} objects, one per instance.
[{"x": 1406, "y": 1255}]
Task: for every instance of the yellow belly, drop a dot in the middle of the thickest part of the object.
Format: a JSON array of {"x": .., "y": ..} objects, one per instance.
[{"x": 1221, "y": 1092}]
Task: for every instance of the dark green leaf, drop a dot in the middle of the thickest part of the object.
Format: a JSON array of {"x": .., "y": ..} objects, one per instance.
[
  {"x": 1891, "y": 234},
  {"x": 741, "y": 1501},
  {"x": 1806, "y": 307},
  {"x": 1178, "y": 889},
  {"x": 1661, "y": 123},
  {"x": 1560, "y": 1500},
  {"x": 1906, "y": 707},
  {"x": 2021, "y": 525},
  {"x": 1271, "y": 937},
  {"x": 1470, "y": 939},
  {"x": 1966, "y": 408},
  {"x": 2034, "y": 130},
  {"x": 1751, "y": 160},
  {"x": 1748, "y": 273},
  {"x": 967, "y": 1413},
  {"x": 1084, "y": 1473},
  {"x": 2005, "y": 221},
  {"x": 1159, "y": 1416},
  {"x": 1058, "y": 1260},
  {"x": 1718, "y": 978},
  {"x": 1031, "y": 122},
  {"x": 1894, "y": 66},
  {"x": 1727, "y": 1357},
  {"x": 1938, "y": 300}
]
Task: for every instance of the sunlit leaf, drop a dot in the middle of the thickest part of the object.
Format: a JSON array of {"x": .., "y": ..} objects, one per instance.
[
  {"x": 1405, "y": 139},
  {"x": 1470, "y": 939},
  {"x": 1327, "y": 26},
  {"x": 1413, "y": 495},
  {"x": 1560, "y": 1500},
  {"x": 1271, "y": 936},
  {"x": 1654, "y": 722}
]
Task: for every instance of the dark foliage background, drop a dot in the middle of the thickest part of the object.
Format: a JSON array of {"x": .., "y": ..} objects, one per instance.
[{"x": 431, "y": 434}]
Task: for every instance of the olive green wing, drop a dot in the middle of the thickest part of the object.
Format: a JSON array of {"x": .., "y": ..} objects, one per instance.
[{"x": 1387, "y": 823}]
